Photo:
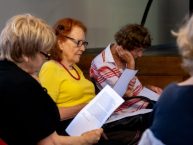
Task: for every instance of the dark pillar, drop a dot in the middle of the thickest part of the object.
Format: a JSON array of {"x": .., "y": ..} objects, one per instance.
[{"x": 191, "y": 7}]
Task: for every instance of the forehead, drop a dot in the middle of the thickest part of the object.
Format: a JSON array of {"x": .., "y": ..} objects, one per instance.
[{"x": 77, "y": 32}]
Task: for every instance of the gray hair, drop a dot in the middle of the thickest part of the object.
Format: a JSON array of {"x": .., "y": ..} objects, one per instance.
[
  {"x": 25, "y": 35},
  {"x": 185, "y": 44}
]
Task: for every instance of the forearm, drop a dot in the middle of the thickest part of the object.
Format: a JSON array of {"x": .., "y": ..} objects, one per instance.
[
  {"x": 70, "y": 112},
  {"x": 55, "y": 139}
]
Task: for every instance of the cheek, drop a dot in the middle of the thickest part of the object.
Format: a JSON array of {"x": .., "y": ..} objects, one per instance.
[
  {"x": 133, "y": 54},
  {"x": 73, "y": 52},
  {"x": 140, "y": 54},
  {"x": 38, "y": 62}
]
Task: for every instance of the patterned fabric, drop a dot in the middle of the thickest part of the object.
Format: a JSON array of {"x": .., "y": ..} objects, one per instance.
[{"x": 104, "y": 71}]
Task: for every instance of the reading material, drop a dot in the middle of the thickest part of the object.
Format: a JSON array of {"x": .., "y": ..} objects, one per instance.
[
  {"x": 122, "y": 84},
  {"x": 121, "y": 87},
  {"x": 95, "y": 114},
  {"x": 149, "y": 94}
]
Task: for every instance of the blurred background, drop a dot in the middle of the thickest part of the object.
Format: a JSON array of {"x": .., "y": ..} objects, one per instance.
[{"x": 104, "y": 17}]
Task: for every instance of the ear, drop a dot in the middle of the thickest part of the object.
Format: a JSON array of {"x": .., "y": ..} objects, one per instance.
[
  {"x": 60, "y": 44},
  {"x": 25, "y": 58}
]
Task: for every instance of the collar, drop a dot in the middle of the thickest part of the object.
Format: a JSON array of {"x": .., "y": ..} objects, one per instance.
[{"x": 108, "y": 54}]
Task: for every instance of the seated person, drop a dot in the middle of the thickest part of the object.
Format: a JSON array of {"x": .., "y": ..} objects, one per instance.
[
  {"x": 63, "y": 79},
  {"x": 28, "y": 114},
  {"x": 107, "y": 67},
  {"x": 173, "y": 117}
]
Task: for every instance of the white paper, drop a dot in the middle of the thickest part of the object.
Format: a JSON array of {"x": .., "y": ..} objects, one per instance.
[
  {"x": 95, "y": 114},
  {"x": 121, "y": 87},
  {"x": 149, "y": 94},
  {"x": 122, "y": 84},
  {"x": 119, "y": 116}
]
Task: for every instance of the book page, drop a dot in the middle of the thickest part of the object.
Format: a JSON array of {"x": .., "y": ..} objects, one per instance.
[
  {"x": 122, "y": 84},
  {"x": 149, "y": 94},
  {"x": 95, "y": 114}
]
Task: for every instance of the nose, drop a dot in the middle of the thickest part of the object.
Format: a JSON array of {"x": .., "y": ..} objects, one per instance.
[
  {"x": 83, "y": 48},
  {"x": 140, "y": 54}
]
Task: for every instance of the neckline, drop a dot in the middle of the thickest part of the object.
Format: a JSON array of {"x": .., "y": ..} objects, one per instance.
[{"x": 76, "y": 78}]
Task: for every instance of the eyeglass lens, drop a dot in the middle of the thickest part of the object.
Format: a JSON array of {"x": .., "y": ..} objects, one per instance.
[{"x": 79, "y": 43}]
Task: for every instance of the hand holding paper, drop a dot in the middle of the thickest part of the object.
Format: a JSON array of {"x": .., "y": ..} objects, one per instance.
[{"x": 95, "y": 114}]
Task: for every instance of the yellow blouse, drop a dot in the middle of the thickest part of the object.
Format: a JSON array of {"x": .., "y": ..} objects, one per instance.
[{"x": 63, "y": 88}]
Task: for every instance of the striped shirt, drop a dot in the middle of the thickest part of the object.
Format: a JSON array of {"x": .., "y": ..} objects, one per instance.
[{"x": 104, "y": 71}]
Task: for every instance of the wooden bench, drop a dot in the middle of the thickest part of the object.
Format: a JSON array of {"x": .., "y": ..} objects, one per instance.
[{"x": 158, "y": 70}]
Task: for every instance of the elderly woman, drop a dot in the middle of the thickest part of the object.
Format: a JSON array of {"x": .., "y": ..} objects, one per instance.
[
  {"x": 172, "y": 124},
  {"x": 28, "y": 114},
  {"x": 61, "y": 76}
]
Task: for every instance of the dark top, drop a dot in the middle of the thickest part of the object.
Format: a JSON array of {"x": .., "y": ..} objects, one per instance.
[
  {"x": 173, "y": 120},
  {"x": 27, "y": 113}
]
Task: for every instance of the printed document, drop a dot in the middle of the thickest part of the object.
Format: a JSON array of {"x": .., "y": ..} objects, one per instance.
[
  {"x": 149, "y": 94},
  {"x": 121, "y": 87},
  {"x": 95, "y": 114},
  {"x": 122, "y": 84}
]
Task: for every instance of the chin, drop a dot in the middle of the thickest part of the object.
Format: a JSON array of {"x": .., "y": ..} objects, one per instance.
[{"x": 76, "y": 61}]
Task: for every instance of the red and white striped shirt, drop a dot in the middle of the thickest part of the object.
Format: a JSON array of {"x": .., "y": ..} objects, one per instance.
[{"x": 104, "y": 71}]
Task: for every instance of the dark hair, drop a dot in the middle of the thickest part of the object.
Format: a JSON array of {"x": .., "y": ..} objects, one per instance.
[
  {"x": 133, "y": 36},
  {"x": 62, "y": 28}
]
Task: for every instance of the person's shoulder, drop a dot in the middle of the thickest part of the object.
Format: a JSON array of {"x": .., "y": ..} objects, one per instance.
[
  {"x": 169, "y": 90},
  {"x": 49, "y": 67},
  {"x": 50, "y": 64},
  {"x": 171, "y": 85},
  {"x": 97, "y": 60}
]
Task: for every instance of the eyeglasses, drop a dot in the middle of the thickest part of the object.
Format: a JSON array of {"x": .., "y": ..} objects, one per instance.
[
  {"x": 46, "y": 55},
  {"x": 79, "y": 43}
]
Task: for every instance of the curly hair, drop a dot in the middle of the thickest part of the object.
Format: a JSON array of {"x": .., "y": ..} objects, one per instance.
[
  {"x": 185, "y": 44},
  {"x": 133, "y": 36},
  {"x": 62, "y": 28}
]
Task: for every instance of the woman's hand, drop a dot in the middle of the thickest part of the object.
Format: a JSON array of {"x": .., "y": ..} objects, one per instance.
[
  {"x": 126, "y": 56},
  {"x": 87, "y": 138},
  {"x": 158, "y": 90},
  {"x": 93, "y": 136}
]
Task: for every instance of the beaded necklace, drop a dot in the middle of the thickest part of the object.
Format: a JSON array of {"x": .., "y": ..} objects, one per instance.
[{"x": 76, "y": 78}]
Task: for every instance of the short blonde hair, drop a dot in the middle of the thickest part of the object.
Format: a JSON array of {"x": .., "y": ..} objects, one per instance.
[
  {"x": 25, "y": 35},
  {"x": 185, "y": 44}
]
